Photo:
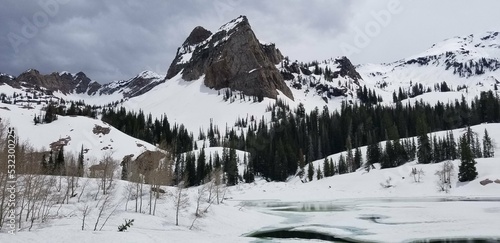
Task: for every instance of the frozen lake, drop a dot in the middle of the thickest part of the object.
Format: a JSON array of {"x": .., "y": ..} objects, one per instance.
[{"x": 436, "y": 219}]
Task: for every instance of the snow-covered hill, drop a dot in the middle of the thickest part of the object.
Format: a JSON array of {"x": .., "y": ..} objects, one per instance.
[
  {"x": 73, "y": 132},
  {"x": 472, "y": 61},
  {"x": 361, "y": 207}
]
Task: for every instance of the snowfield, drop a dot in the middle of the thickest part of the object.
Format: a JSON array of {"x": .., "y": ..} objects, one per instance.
[
  {"x": 77, "y": 130},
  {"x": 353, "y": 206}
]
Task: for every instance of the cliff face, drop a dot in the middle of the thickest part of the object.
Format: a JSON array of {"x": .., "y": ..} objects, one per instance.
[
  {"x": 63, "y": 82},
  {"x": 232, "y": 58}
]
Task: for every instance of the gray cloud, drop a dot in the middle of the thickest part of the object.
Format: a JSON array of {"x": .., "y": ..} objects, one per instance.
[{"x": 111, "y": 39}]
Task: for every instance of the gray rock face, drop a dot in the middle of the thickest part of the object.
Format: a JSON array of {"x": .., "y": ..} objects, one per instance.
[
  {"x": 231, "y": 58},
  {"x": 346, "y": 69},
  {"x": 64, "y": 82}
]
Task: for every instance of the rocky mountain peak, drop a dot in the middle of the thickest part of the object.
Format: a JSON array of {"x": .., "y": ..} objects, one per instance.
[
  {"x": 232, "y": 58},
  {"x": 64, "y": 82},
  {"x": 346, "y": 69},
  {"x": 198, "y": 35}
]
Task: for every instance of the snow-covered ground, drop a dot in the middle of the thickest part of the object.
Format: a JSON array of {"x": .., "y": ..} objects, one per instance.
[
  {"x": 77, "y": 130},
  {"x": 351, "y": 205}
]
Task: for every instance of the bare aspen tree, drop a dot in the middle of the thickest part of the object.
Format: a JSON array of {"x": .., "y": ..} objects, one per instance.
[
  {"x": 128, "y": 193},
  {"x": 108, "y": 167},
  {"x": 86, "y": 209},
  {"x": 82, "y": 189},
  {"x": 200, "y": 198},
  {"x": 218, "y": 186},
  {"x": 3, "y": 168},
  {"x": 444, "y": 176},
  {"x": 180, "y": 199},
  {"x": 104, "y": 205}
]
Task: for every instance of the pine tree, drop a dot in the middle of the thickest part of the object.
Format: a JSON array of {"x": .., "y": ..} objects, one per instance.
[
  {"x": 326, "y": 167},
  {"x": 319, "y": 174},
  {"x": 80, "y": 169},
  {"x": 342, "y": 165},
  {"x": 190, "y": 169},
  {"x": 333, "y": 169},
  {"x": 358, "y": 159},
  {"x": 467, "y": 169},
  {"x": 200, "y": 167},
  {"x": 301, "y": 164},
  {"x": 453, "y": 154},
  {"x": 488, "y": 149},
  {"x": 478, "y": 153},
  {"x": 424, "y": 152},
  {"x": 59, "y": 167},
  {"x": 232, "y": 168},
  {"x": 249, "y": 176},
  {"x": 350, "y": 157},
  {"x": 373, "y": 154},
  {"x": 310, "y": 171},
  {"x": 388, "y": 158}
]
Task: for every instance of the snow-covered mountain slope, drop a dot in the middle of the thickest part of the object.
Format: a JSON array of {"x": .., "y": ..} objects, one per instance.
[
  {"x": 73, "y": 132},
  {"x": 469, "y": 209},
  {"x": 77, "y": 87},
  {"x": 472, "y": 61}
]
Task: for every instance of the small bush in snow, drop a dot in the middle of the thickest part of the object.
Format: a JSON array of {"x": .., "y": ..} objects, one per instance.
[
  {"x": 125, "y": 226},
  {"x": 387, "y": 183},
  {"x": 417, "y": 174},
  {"x": 444, "y": 176}
]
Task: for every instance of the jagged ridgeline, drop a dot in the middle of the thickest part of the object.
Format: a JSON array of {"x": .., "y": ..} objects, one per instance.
[{"x": 232, "y": 58}]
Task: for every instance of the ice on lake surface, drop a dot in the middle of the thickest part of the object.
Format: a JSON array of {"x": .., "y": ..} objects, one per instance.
[{"x": 436, "y": 219}]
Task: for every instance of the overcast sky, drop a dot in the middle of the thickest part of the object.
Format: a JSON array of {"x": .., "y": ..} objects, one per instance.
[{"x": 116, "y": 39}]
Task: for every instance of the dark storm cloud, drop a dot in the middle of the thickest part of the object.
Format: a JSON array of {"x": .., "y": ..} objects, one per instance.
[
  {"x": 111, "y": 40},
  {"x": 117, "y": 39}
]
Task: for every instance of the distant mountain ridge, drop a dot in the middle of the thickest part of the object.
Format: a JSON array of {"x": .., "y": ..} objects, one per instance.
[
  {"x": 233, "y": 58},
  {"x": 469, "y": 60}
]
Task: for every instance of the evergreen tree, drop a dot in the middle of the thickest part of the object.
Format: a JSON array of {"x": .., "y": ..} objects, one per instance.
[
  {"x": 59, "y": 167},
  {"x": 342, "y": 165},
  {"x": 467, "y": 169},
  {"x": 326, "y": 167},
  {"x": 200, "y": 167},
  {"x": 190, "y": 169},
  {"x": 424, "y": 152},
  {"x": 301, "y": 164},
  {"x": 310, "y": 171},
  {"x": 488, "y": 149},
  {"x": 333, "y": 169},
  {"x": 124, "y": 175},
  {"x": 373, "y": 154},
  {"x": 350, "y": 157},
  {"x": 453, "y": 154},
  {"x": 387, "y": 160},
  {"x": 232, "y": 168},
  {"x": 80, "y": 169},
  {"x": 319, "y": 174},
  {"x": 358, "y": 159},
  {"x": 249, "y": 176},
  {"x": 478, "y": 153}
]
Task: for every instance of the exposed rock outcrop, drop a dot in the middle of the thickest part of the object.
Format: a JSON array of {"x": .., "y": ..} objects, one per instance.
[
  {"x": 232, "y": 58},
  {"x": 63, "y": 82}
]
